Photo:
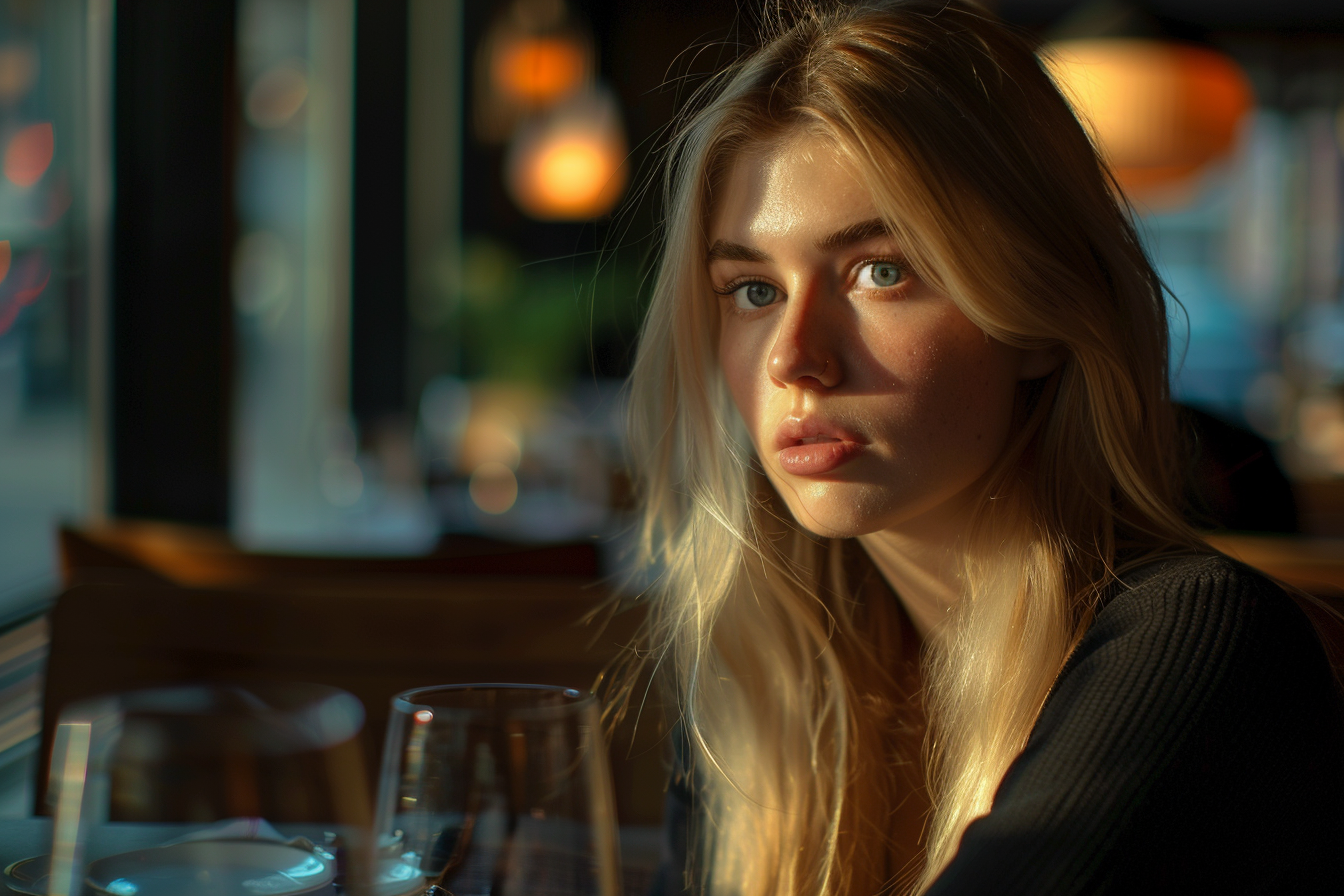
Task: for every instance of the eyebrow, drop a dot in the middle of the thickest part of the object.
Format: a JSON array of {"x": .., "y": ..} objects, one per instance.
[
  {"x": 854, "y": 233},
  {"x": 726, "y": 250}
]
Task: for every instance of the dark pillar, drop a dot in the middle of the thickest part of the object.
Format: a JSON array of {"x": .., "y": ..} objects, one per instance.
[
  {"x": 175, "y": 112},
  {"x": 378, "y": 310}
]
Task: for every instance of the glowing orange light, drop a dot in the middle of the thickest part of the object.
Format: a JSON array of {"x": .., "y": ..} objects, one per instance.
[
  {"x": 423, "y": 715},
  {"x": 539, "y": 70},
  {"x": 572, "y": 168},
  {"x": 571, "y": 177},
  {"x": 29, "y": 154},
  {"x": 1159, "y": 111},
  {"x": 5, "y": 255},
  {"x": 572, "y": 174}
]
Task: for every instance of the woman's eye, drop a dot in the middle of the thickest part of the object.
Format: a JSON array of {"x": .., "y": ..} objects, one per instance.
[
  {"x": 754, "y": 295},
  {"x": 881, "y": 274}
]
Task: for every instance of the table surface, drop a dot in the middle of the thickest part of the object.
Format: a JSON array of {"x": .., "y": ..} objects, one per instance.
[{"x": 24, "y": 837}]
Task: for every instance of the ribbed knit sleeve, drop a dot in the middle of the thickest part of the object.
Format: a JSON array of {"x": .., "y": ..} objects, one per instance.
[{"x": 1193, "y": 743}]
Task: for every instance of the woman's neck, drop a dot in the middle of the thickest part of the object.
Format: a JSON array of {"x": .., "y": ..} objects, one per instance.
[{"x": 925, "y": 574}]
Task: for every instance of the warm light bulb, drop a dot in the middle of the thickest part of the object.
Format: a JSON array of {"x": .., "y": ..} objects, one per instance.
[
  {"x": 571, "y": 167},
  {"x": 539, "y": 70},
  {"x": 1158, "y": 111}
]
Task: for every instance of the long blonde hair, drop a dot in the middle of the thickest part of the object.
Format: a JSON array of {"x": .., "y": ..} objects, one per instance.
[{"x": 786, "y": 676}]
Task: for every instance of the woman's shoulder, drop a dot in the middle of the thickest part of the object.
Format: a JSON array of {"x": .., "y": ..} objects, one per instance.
[
  {"x": 1201, "y": 606},
  {"x": 1190, "y": 744},
  {"x": 1199, "y": 638},
  {"x": 1213, "y": 581},
  {"x": 1188, "y": 626}
]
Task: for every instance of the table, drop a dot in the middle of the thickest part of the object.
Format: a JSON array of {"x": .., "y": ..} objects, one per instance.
[{"x": 24, "y": 837}]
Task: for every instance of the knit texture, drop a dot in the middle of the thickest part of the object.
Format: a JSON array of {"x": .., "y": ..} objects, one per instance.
[{"x": 1193, "y": 743}]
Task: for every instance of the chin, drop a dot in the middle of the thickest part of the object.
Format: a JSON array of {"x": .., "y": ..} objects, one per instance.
[
  {"x": 837, "y": 516},
  {"x": 837, "y": 529}
]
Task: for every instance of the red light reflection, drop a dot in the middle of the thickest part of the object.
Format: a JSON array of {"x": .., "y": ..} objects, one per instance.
[{"x": 29, "y": 154}]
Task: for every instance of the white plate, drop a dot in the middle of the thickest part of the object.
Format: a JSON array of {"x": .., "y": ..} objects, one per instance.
[
  {"x": 29, "y": 876},
  {"x": 213, "y": 868},
  {"x": 397, "y": 878}
]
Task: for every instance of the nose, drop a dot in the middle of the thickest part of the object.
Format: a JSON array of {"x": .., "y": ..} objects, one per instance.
[{"x": 802, "y": 352}]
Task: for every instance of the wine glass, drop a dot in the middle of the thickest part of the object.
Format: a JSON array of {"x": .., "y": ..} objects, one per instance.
[
  {"x": 176, "y": 790},
  {"x": 495, "y": 789}
]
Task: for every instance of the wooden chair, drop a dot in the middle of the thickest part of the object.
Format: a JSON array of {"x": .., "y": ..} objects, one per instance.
[
  {"x": 1316, "y": 565},
  {"x": 193, "y": 555}
]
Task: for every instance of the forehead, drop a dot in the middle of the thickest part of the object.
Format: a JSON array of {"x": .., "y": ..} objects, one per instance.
[{"x": 801, "y": 184}]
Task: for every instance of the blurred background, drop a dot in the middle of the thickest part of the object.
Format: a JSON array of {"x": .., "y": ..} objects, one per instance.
[{"x": 344, "y": 277}]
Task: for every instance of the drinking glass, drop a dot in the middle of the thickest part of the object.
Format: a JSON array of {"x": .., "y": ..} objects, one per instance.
[
  {"x": 496, "y": 789},
  {"x": 172, "y": 791}
]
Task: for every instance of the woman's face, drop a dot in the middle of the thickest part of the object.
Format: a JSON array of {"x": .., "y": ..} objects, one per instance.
[{"x": 872, "y": 401}]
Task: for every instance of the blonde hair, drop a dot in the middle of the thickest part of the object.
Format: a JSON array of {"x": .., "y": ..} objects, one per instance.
[{"x": 785, "y": 673}]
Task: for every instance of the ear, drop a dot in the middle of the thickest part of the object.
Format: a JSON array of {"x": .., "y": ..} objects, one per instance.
[{"x": 1039, "y": 362}]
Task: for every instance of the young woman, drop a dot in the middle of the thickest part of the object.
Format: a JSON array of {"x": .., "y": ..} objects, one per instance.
[{"x": 932, "y": 617}]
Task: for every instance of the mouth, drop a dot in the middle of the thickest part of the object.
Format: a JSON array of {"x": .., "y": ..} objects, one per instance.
[
  {"x": 817, "y": 457},
  {"x": 814, "y": 447}
]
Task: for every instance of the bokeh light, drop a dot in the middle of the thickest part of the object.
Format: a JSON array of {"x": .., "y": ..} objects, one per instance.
[
  {"x": 1321, "y": 429},
  {"x": 18, "y": 71},
  {"x": 1159, "y": 111},
  {"x": 535, "y": 56},
  {"x": 277, "y": 95},
  {"x": 263, "y": 276},
  {"x": 493, "y": 488},
  {"x": 571, "y": 166},
  {"x": 29, "y": 154},
  {"x": 539, "y": 70},
  {"x": 493, "y": 434}
]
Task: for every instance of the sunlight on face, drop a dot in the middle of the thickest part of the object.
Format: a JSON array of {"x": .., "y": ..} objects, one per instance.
[{"x": 872, "y": 401}]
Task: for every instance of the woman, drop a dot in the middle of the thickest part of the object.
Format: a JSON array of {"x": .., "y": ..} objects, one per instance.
[{"x": 932, "y": 618}]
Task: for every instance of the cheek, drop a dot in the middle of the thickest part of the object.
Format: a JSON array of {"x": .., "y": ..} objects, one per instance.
[
  {"x": 979, "y": 392},
  {"x": 742, "y": 371},
  {"x": 957, "y": 388}
]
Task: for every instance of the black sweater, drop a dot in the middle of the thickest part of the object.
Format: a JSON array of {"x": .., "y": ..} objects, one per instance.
[{"x": 1193, "y": 743}]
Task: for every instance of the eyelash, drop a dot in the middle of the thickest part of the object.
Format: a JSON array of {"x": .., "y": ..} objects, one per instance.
[
  {"x": 734, "y": 285},
  {"x": 902, "y": 268}
]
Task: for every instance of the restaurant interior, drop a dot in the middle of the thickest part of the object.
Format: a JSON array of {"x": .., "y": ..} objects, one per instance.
[{"x": 315, "y": 316}]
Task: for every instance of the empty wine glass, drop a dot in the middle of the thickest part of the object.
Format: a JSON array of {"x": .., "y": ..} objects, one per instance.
[
  {"x": 171, "y": 791},
  {"x": 496, "y": 789}
]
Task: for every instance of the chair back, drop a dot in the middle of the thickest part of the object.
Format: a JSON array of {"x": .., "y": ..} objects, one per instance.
[{"x": 371, "y": 636}]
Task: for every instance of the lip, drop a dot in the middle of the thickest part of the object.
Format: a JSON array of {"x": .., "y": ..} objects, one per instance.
[{"x": 811, "y": 447}]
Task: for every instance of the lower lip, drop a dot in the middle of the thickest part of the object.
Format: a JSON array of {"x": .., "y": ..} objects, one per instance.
[{"x": 817, "y": 458}]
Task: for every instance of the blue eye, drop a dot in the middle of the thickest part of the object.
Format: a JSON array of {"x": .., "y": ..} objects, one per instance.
[
  {"x": 881, "y": 274},
  {"x": 754, "y": 295}
]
